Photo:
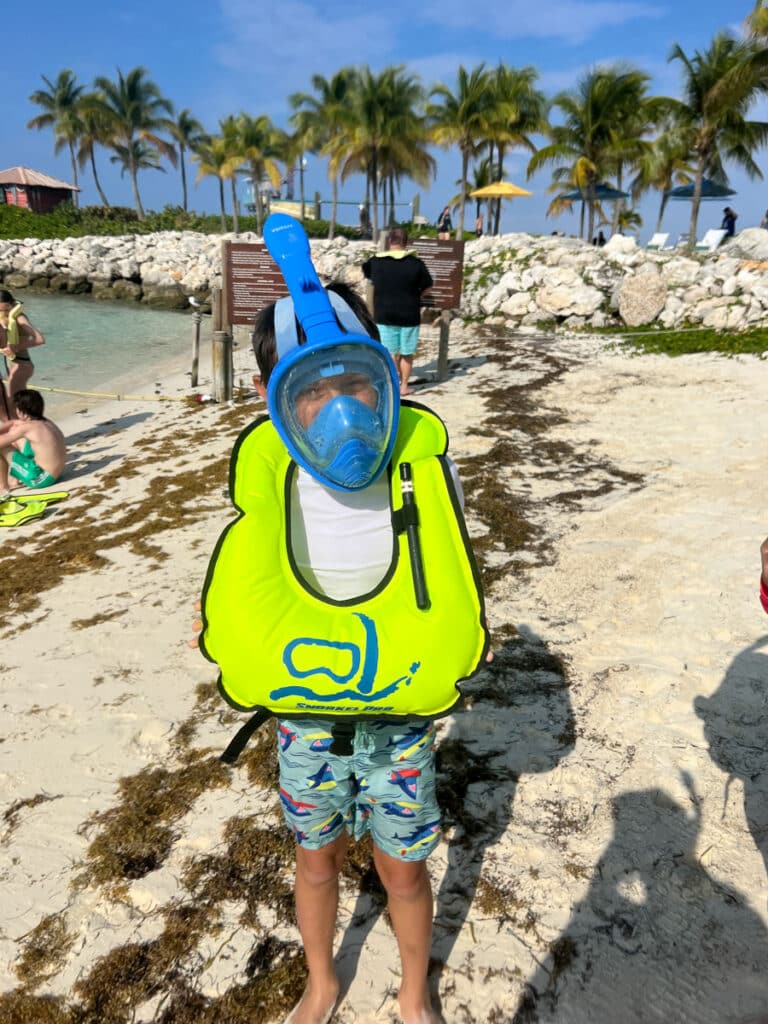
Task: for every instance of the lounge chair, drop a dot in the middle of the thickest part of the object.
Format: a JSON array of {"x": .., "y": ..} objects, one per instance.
[
  {"x": 682, "y": 240},
  {"x": 711, "y": 240},
  {"x": 659, "y": 241}
]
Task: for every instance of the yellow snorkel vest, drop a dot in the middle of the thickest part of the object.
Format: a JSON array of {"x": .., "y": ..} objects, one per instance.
[
  {"x": 12, "y": 330},
  {"x": 282, "y": 646}
]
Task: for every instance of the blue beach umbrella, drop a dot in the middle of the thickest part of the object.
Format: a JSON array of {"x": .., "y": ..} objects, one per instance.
[
  {"x": 709, "y": 190},
  {"x": 600, "y": 193}
]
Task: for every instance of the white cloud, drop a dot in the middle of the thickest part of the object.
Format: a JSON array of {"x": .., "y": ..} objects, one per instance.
[
  {"x": 288, "y": 42},
  {"x": 571, "y": 20}
]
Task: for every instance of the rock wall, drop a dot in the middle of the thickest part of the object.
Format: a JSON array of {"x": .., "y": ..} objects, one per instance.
[{"x": 516, "y": 279}]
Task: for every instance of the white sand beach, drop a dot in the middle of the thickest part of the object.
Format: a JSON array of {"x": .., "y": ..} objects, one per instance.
[{"x": 605, "y": 856}]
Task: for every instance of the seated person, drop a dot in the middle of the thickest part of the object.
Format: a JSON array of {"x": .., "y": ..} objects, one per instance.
[{"x": 33, "y": 448}]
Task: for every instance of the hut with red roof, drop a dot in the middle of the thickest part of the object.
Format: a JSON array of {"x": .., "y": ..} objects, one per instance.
[{"x": 33, "y": 190}]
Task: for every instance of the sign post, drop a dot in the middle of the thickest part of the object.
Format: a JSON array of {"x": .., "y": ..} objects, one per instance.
[{"x": 445, "y": 262}]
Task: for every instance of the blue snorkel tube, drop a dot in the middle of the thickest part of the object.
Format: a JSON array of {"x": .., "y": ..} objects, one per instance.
[{"x": 349, "y": 441}]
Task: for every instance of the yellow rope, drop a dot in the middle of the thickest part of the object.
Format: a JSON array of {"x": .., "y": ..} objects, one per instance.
[{"x": 104, "y": 394}]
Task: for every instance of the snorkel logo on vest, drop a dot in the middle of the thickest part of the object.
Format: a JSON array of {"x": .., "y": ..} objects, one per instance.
[{"x": 352, "y": 667}]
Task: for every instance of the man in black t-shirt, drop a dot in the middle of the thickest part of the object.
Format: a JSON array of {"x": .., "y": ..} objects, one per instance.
[{"x": 399, "y": 280}]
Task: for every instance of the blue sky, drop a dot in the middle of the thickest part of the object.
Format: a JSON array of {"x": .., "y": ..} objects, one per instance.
[{"x": 219, "y": 57}]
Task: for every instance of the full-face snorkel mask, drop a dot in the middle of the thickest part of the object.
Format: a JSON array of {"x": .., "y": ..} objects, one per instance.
[{"x": 335, "y": 399}]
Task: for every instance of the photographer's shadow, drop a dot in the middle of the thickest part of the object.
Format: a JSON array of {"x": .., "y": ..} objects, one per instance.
[
  {"x": 520, "y": 720},
  {"x": 735, "y": 721},
  {"x": 657, "y": 938}
]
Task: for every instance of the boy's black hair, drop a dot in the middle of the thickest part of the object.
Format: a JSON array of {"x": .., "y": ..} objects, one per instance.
[
  {"x": 30, "y": 402},
  {"x": 263, "y": 337},
  {"x": 5, "y": 296}
]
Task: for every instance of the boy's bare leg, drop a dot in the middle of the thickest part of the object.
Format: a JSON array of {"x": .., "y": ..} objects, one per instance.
[
  {"x": 6, "y": 480},
  {"x": 409, "y": 896},
  {"x": 406, "y": 365},
  {"x": 317, "y": 897}
]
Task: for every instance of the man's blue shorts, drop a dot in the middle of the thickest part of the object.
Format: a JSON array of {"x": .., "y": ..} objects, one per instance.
[
  {"x": 399, "y": 341},
  {"x": 386, "y": 786}
]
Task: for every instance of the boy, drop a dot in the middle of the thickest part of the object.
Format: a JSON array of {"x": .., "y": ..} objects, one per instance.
[
  {"x": 399, "y": 280},
  {"x": 309, "y": 603},
  {"x": 33, "y": 448}
]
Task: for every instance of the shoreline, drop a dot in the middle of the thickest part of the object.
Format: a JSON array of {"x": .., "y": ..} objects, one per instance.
[{"x": 595, "y": 853}]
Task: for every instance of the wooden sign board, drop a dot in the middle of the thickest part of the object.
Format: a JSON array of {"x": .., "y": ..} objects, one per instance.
[
  {"x": 252, "y": 280},
  {"x": 445, "y": 262}
]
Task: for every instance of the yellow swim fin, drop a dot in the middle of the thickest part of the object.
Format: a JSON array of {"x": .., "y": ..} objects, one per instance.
[{"x": 14, "y": 512}]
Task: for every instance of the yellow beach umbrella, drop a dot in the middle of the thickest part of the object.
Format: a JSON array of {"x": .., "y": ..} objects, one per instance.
[{"x": 500, "y": 190}]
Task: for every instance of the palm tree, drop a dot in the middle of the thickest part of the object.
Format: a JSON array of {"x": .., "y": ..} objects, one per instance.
[
  {"x": 719, "y": 86},
  {"x": 258, "y": 143},
  {"x": 95, "y": 130},
  {"x": 757, "y": 21},
  {"x": 519, "y": 111},
  {"x": 217, "y": 158},
  {"x": 662, "y": 166},
  {"x": 586, "y": 148},
  {"x": 483, "y": 173},
  {"x": 61, "y": 108},
  {"x": 188, "y": 133},
  {"x": 382, "y": 117},
  {"x": 137, "y": 155},
  {"x": 462, "y": 118},
  {"x": 403, "y": 151},
  {"x": 321, "y": 122},
  {"x": 136, "y": 111}
]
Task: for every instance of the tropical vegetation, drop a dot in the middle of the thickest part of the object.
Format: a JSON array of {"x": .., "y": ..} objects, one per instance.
[{"x": 606, "y": 135}]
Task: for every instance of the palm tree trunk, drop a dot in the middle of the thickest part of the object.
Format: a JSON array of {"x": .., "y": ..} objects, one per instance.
[
  {"x": 136, "y": 196},
  {"x": 221, "y": 204},
  {"x": 183, "y": 176},
  {"x": 301, "y": 186},
  {"x": 334, "y": 207},
  {"x": 235, "y": 221},
  {"x": 256, "y": 178},
  {"x": 104, "y": 200},
  {"x": 464, "y": 174},
  {"x": 618, "y": 206},
  {"x": 662, "y": 208},
  {"x": 497, "y": 204},
  {"x": 695, "y": 203},
  {"x": 375, "y": 192},
  {"x": 75, "y": 195},
  {"x": 581, "y": 224}
]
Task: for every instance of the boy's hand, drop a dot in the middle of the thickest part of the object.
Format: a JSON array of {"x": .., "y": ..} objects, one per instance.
[
  {"x": 197, "y": 625},
  {"x": 764, "y": 561}
]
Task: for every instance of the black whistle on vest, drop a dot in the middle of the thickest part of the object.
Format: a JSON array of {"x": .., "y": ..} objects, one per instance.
[{"x": 411, "y": 520}]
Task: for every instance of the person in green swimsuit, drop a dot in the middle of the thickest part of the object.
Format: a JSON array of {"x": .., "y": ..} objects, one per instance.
[{"x": 33, "y": 448}]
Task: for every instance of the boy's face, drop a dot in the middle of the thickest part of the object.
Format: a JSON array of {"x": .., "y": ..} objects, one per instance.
[{"x": 311, "y": 399}]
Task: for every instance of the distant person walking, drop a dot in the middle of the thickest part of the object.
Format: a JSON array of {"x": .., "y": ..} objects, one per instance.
[
  {"x": 444, "y": 224},
  {"x": 479, "y": 226},
  {"x": 17, "y": 335},
  {"x": 399, "y": 280},
  {"x": 729, "y": 222}
]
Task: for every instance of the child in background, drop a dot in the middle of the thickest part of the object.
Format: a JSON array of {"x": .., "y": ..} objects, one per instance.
[{"x": 33, "y": 448}]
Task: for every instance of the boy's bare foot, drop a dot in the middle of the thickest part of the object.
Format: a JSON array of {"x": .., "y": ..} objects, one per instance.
[
  {"x": 419, "y": 1013},
  {"x": 314, "y": 1007}
]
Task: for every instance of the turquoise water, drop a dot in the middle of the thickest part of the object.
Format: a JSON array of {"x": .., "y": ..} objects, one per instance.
[{"x": 90, "y": 343}]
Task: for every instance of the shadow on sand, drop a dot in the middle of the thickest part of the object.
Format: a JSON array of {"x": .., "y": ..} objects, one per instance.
[
  {"x": 657, "y": 938},
  {"x": 520, "y": 720},
  {"x": 735, "y": 721}
]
